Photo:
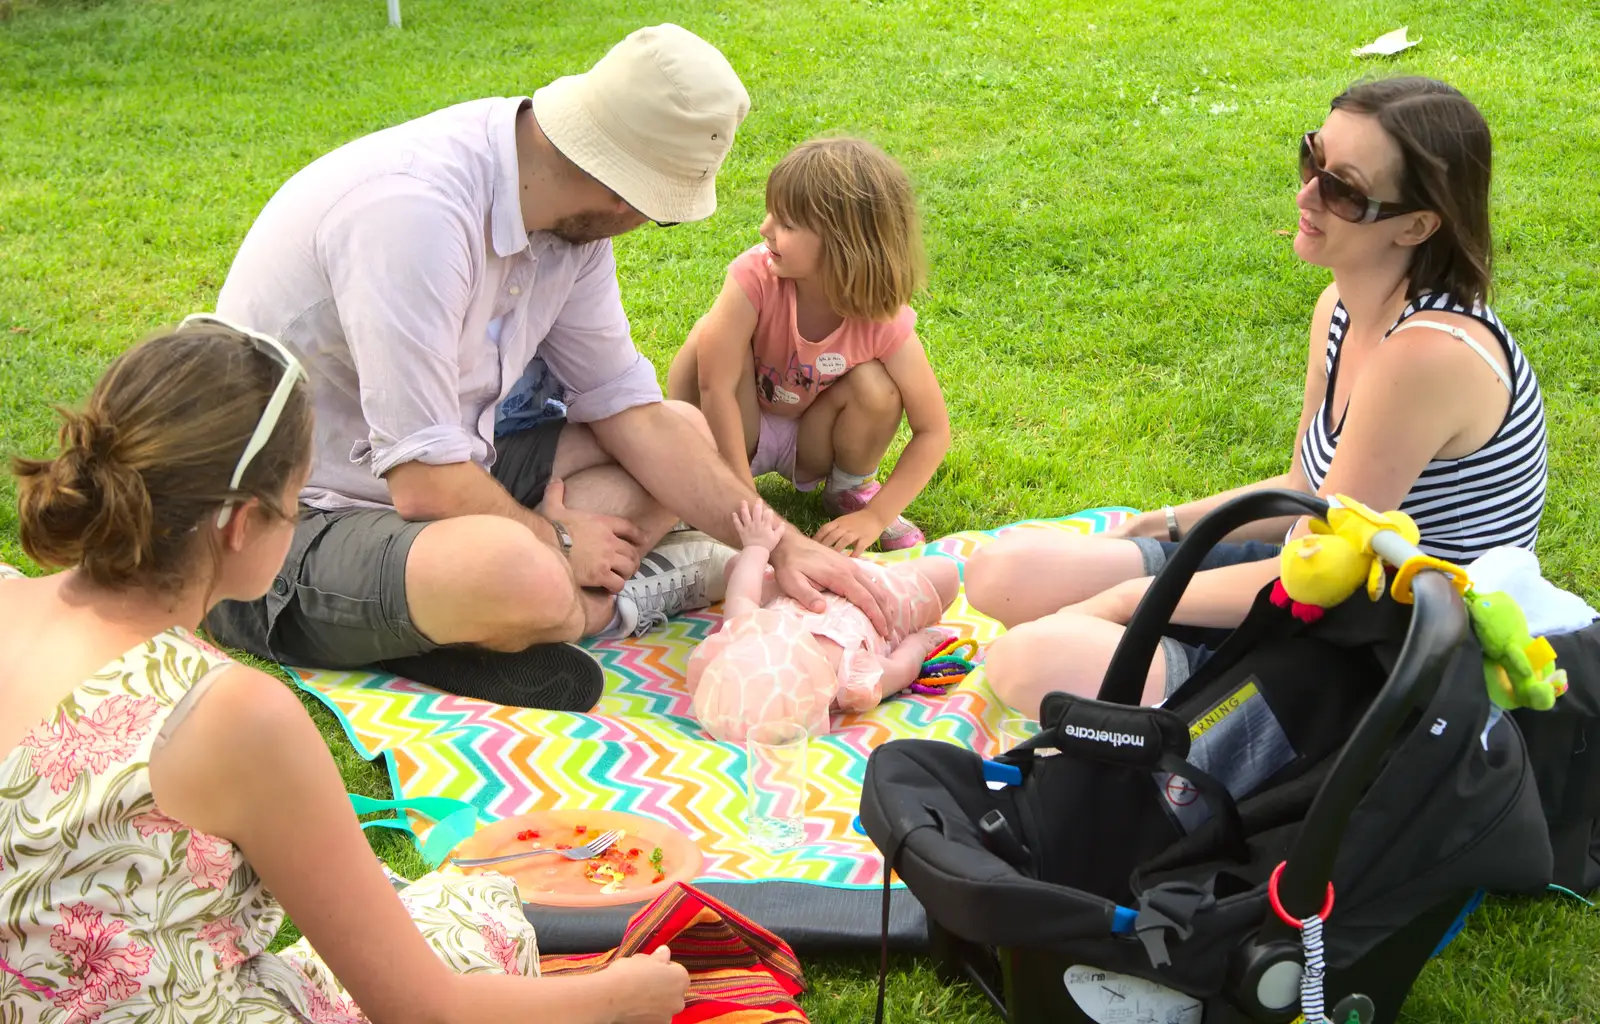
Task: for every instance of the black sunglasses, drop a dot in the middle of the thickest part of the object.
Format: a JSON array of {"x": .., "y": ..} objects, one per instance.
[{"x": 1341, "y": 198}]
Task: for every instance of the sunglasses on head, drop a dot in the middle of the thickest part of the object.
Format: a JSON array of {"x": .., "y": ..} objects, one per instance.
[
  {"x": 1339, "y": 197},
  {"x": 292, "y": 371}
]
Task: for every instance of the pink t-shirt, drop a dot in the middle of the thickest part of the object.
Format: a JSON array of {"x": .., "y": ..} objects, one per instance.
[{"x": 791, "y": 371}]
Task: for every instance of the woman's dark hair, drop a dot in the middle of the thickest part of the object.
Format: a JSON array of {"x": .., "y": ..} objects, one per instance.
[
  {"x": 149, "y": 457},
  {"x": 1446, "y": 146}
]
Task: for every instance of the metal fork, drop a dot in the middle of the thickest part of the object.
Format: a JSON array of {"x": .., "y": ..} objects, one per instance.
[{"x": 593, "y": 848}]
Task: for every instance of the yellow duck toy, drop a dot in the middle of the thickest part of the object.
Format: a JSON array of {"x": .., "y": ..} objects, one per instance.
[{"x": 1325, "y": 567}]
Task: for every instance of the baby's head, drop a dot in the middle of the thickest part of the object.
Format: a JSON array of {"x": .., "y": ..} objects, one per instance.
[
  {"x": 859, "y": 204},
  {"x": 761, "y": 668}
]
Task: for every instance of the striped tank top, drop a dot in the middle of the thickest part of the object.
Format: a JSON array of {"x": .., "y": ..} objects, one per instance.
[{"x": 1464, "y": 506}]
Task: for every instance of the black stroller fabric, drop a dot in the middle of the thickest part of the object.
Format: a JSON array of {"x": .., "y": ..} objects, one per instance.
[
  {"x": 1141, "y": 840},
  {"x": 1564, "y": 747}
]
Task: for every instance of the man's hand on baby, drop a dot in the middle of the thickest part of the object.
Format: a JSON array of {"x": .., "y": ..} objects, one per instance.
[
  {"x": 759, "y": 526},
  {"x": 805, "y": 568}
]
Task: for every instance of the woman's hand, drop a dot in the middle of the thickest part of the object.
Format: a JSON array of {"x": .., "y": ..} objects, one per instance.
[
  {"x": 1142, "y": 524},
  {"x": 760, "y": 527}
]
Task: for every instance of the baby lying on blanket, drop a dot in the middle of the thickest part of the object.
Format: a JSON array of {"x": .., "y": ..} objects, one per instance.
[{"x": 774, "y": 660}]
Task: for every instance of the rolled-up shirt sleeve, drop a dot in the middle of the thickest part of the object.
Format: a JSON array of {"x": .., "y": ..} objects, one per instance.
[
  {"x": 590, "y": 348},
  {"x": 401, "y": 278}
]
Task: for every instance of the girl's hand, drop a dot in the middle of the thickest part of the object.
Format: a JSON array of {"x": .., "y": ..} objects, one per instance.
[
  {"x": 759, "y": 527},
  {"x": 857, "y": 531},
  {"x": 652, "y": 988}
]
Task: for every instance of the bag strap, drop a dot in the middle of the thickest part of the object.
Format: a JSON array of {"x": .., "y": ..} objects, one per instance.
[{"x": 453, "y": 821}]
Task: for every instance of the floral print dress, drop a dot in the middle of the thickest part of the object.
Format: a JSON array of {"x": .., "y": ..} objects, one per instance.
[{"x": 110, "y": 911}]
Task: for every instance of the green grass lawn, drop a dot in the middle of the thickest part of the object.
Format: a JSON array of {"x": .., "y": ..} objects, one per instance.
[{"x": 1114, "y": 307}]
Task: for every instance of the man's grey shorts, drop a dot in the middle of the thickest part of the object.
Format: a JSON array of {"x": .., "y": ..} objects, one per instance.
[
  {"x": 340, "y": 599},
  {"x": 1186, "y": 648}
]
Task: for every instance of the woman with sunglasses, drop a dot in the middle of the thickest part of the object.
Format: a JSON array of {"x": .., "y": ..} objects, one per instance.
[
  {"x": 162, "y": 807},
  {"x": 1416, "y": 398}
]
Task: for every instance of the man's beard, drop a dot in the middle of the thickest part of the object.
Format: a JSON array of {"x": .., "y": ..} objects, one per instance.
[{"x": 592, "y": 226}]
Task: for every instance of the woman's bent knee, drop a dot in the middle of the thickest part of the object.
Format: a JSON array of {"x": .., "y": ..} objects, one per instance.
[
  {"x": 1015, "y": 669},
  {"x": 992, "y": 572}
]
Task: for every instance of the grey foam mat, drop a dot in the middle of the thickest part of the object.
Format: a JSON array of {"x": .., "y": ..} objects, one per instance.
[{"x": 811, "y": 918}]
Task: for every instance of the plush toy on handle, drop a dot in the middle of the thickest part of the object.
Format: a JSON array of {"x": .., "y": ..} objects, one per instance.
[
  {"x": 1520, "y": 670},
  {"x": 1323, "y": 568}
]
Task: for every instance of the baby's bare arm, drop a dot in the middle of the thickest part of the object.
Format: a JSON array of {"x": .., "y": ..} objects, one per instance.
[
  {"x": 759, "y": 530},
  {"x": 901, "y": 666},
  {"x": 745, "y": 572}
]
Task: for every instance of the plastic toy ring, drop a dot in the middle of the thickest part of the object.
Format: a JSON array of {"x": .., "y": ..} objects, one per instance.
[
  {"x": 969, "y": 645},
  {"x": 1277, "y": 904}
]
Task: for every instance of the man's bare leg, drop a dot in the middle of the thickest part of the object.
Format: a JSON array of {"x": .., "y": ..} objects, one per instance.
[{"x": 489, "y": 581}]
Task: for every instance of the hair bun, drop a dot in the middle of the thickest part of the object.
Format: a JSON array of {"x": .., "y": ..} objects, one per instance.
[
  {"x": 87, "y": 506},
  {"x": 87, "y": 435}
]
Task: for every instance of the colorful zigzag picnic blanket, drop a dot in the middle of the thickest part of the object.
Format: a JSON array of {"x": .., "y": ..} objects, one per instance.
[{"x": 640, "y": 749}]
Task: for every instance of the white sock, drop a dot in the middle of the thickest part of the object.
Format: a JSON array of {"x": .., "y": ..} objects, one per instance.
[
  {"x": 619, "y": 626},
  {"x": 839, "y": 480}
]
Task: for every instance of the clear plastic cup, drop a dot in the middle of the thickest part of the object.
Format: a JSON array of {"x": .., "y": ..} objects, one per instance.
[
  {"x": 1016, "y": 730},
  {"x": 775, "y": 781}
]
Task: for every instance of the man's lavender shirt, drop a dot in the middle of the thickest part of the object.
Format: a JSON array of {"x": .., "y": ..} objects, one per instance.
[{"x": 382, "y": 265}]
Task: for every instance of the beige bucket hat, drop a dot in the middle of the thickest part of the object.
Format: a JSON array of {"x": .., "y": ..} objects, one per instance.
[{"x": 652, "y": 121}]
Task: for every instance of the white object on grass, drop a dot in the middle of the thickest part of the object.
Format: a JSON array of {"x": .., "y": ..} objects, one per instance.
[
  {"x": 1515, "y": 572},
  {"x": 1383, "y": 46},
  {"x": 394, "y": 13}
]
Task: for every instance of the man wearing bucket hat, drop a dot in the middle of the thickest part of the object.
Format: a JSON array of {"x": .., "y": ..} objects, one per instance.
[{"x": 495, "y": 468}]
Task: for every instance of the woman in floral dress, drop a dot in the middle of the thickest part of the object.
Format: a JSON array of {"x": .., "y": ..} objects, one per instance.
[{"x": 161, "y": 807}]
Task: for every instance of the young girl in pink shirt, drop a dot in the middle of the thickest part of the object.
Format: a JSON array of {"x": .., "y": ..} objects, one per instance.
[{"x": 808, "y": 359}]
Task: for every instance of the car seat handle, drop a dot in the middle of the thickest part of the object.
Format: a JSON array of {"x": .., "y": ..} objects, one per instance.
[
  {"x": 1125, "y": 676},
  {"x": 1438, "y": 627}
]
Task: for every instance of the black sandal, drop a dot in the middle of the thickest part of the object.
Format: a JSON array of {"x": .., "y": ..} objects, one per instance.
[{"x": 552, "y": 677}]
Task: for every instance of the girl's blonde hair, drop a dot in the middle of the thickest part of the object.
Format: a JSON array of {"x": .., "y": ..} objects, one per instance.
[{"x": 859, "y": 201}]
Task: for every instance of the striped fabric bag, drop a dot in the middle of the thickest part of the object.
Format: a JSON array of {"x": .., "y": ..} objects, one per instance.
[{"x": 739, "y": 973}]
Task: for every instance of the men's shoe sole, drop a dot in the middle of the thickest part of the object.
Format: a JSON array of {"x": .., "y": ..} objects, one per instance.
[{"x": 552, "y": 677}]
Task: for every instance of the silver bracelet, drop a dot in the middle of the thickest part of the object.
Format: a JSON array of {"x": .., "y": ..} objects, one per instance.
[{"x": 1172, "y": 523}]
